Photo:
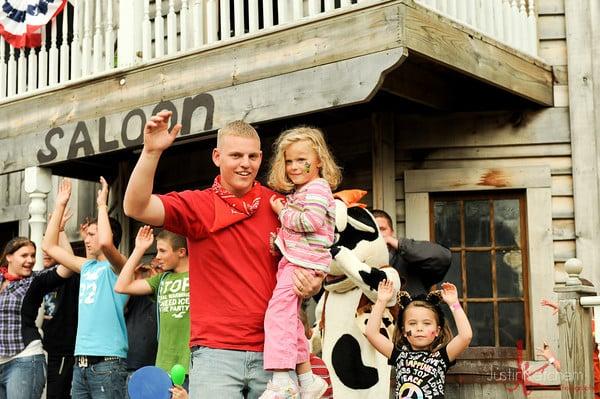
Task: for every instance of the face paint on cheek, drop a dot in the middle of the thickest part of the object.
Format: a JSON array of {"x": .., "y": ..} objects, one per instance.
[
  {"x": 307, "y": 167},
  {"x": 409, "y": 333}
]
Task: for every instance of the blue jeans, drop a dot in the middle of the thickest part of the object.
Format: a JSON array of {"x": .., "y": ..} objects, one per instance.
[
  {"x": 23, "y": 378},
  {"x": 227, "y": 374},
  {"x": 104, "y": 380}
]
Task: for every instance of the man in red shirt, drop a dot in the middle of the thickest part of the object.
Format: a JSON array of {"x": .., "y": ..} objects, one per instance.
[{"x": 232, "y": 266}]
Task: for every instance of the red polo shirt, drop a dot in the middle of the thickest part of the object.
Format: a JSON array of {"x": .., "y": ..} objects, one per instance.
[{"x": 232, "y": 270}]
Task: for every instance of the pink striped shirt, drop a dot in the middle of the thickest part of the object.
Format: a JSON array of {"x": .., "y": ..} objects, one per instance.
[{"x": 307, "y": 226}]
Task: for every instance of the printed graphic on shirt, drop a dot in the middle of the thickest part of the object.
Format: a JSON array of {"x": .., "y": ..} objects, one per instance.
[
  {"x": 89, "y": 284},
  {"x": 420, "y": 374},
  {"x": 174, "y": 320},
  {"x": 50, "y": 305},
  {"x": 174, "y": 297}
]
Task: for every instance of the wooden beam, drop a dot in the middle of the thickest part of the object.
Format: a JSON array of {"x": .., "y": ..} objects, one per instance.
[
  {"x": 327, "y": 86},
  {"x": 292, "y": 47},
  {"x": 541, "y": 262},
  {"x": 417, "y": 216},
  {"x": 434, "y": 180},
  {"x": 466, "y": 51},
  {"x": 583, "y": 122},
  {"x": 576, "y": 347},
  {"x": 419, "y": 84},
  {"x": 384, "y": 173},
  {"x": 549, "y": 126},
  {"x": 11, "y": 213}
]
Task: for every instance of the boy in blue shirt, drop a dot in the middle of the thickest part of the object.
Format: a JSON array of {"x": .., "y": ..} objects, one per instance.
[{"x": 101, "y": 332}]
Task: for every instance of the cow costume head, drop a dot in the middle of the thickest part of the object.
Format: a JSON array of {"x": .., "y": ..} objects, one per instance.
[
  {"x": 356, "y": 230},
  {"x": 360, "y": 262}
]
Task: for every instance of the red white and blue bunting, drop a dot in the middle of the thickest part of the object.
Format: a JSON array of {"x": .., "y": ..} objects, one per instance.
[{"x": 21, "y": 20}]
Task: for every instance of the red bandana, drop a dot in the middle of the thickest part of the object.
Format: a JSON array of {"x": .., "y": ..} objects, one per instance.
[
  {"x": 230, "y": 209},
  {"x": 7, "y": 276}
]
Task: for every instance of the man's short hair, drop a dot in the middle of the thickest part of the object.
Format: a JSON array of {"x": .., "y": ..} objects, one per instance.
[
  {"x": 115, "y": 227},
  {"x": 378, "y": 213},
  {"x": 238, "y": 129}
]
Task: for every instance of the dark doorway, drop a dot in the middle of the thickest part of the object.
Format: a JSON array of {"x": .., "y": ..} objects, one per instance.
[{"x": 7, "y": 232}]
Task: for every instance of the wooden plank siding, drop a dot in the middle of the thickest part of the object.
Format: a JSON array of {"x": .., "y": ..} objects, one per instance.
[
  {"x": 258, "y": 59},
  {"x": 489, "y": 140},
  {"x": 14, "y": 202},
  {"x": 496, "y": 155}
]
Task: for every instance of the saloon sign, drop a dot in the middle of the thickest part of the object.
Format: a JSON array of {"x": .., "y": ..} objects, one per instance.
[
  {"x": 308, "y": 90},
  {"x": 124, "y": 129}
]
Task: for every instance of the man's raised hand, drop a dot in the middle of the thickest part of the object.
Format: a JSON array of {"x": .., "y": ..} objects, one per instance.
[{"x": 157, "y": 137}]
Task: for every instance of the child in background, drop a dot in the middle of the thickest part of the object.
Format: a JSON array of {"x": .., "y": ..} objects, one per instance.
[
  {"x": 304, "y": 168},
  {"x": 424, "y": 348},
  {"x": 140, "y": 317},
  {"x": 171, "y": 291}
]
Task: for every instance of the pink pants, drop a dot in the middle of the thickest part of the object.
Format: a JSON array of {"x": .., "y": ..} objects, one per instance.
[{"x": 285, "y": 341}]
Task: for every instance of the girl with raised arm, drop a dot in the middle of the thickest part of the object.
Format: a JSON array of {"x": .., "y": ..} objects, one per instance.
[{"x": 423, "y": 348}]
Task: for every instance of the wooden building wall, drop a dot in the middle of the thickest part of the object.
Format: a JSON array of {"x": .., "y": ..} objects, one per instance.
[
  {"x": 553, "y": 50},
  {"x": 14, "y": 205},
  {"x": 502, "y": 140}
]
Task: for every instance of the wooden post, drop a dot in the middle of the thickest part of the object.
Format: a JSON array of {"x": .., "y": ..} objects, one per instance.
[
  {"x": 129, "y": 34},
  {"x": 37, "y": 184},
  {"x": 384, "y": 168},
  {"x": 576, "y": 346},
  {"x": 584, "y": 121}
]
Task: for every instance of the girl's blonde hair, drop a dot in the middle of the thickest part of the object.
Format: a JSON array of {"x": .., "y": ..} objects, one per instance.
[
  {"x": 329, "y": 170},
  {"x": 431, "y": 302}
]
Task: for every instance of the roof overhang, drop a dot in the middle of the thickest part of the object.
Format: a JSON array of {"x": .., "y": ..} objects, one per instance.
[{"x": 336, "y": 60}]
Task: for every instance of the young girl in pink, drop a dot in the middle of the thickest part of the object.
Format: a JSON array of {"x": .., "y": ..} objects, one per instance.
[{"x": 303, "y": 167}]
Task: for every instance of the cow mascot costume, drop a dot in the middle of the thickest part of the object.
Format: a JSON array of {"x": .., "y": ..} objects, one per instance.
[{"x": 360, "y": 262}]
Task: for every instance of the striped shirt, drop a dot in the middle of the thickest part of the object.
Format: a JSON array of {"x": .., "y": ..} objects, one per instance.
[{"x": 307, "y": 226}]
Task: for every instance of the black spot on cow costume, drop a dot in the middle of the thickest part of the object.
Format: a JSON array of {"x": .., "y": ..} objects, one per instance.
[{"x": 360, "y": 262}]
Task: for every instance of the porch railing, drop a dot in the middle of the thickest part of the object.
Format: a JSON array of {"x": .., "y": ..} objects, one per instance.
[
  {"x": 512, "y": 22},
  {"x": 575, "y": 327},
  {"x": 94, "y": 36}
]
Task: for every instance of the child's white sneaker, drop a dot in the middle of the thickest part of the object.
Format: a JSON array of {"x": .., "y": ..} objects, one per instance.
[
  {"x": 315, "y": 389},
  {"x": 287, "y": 391}
]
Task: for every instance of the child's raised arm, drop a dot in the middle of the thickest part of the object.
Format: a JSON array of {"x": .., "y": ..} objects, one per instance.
[
  {"x": 383, "y": 344},
  {"x": 461, "y": 342},
  {"x": 105, "y": 236},
  {"x": 126, "y": 283},
  {"x": 50, "y": 244}
]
